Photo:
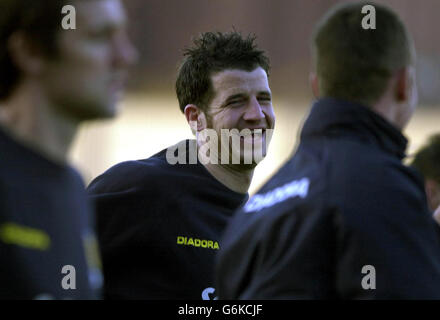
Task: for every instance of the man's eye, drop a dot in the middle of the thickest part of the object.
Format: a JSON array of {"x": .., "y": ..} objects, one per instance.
[
  {"x": 235, "y": 102},
  {"x": 100, "y": 35}
]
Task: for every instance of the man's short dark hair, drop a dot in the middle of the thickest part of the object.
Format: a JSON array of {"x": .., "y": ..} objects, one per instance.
[
  {"x": 427, "y": 159},
  {"x": 353, "y": 63},
  {"x": 39, "y": 20},
  {"x": 215, "y": 52}
]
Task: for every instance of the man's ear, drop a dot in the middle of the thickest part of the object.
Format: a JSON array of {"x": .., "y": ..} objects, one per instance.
[
  {"x": 401, "y": 89},
  {"x": 195, "y": 117},
  {"x": 405, "y": 84},
  {"x": 314, "y": 84},
  {"x": 25, "y": 54}
]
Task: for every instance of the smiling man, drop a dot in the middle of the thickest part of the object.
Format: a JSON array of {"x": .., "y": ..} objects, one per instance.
[
  {"x": 236, "y": 126},
  {"x": 50, "y": 81},
  {"x": 159, "y": 222}
]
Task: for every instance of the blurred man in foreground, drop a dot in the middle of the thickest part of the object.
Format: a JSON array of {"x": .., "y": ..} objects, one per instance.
[
  {"x": 51, "y": 80},
  {"x": 344, "y": 218},
  {"x": 160, "y": 219}
]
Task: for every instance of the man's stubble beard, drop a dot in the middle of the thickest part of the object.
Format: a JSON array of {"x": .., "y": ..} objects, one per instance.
[{"x": 238, "y": 166}]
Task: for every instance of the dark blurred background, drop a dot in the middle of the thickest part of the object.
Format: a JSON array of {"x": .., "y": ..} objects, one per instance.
[{"x": 161, "y": 28}]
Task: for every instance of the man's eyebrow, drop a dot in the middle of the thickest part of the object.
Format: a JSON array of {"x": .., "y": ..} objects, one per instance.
[{"x": 236, "y": 96}]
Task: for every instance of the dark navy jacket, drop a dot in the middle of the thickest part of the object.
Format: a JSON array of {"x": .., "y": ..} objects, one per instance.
[{"x": 343, "y": 219}]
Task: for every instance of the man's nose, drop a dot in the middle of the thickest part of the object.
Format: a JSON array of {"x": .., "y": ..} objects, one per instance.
[
  {"x": 125, "y": 53},
  {"x": 254, "y": 112}
]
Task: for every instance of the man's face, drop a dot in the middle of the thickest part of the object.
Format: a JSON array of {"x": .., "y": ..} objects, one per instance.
[
  {"x": 87, "y": 77},
  {"x": 242, "y": 100}
]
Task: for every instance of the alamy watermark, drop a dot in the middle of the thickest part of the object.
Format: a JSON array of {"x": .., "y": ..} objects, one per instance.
[
  {"x": 369, "y": 280},
  {"x": 69, "y": 280},
  {"x": 232, "y": 147},
  {"x": 369, "y": 21},
  {"x": 69, "y": 20}
]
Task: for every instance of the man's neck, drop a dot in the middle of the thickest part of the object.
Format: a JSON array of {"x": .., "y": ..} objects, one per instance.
[
  {"x": 29, "y": 118},
  {"x": 234, "y": 177}
]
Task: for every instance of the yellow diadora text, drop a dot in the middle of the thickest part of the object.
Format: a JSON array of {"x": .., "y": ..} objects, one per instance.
[{"x": 200, "y": 243}]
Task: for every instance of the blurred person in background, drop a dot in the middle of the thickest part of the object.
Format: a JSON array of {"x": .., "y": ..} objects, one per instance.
[
  {"x": 427, "y": 161},
  {"x": 159, "y": 222},
  {"x": 344, "y": 218},
  {"x": 52, "y": 80},
  {"x": 437, "y": 215}
]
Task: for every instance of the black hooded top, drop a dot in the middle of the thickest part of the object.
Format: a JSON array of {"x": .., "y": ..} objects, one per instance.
[{"x": 159, "y": 227}]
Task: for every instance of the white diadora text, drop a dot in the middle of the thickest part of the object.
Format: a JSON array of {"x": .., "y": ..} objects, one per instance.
[{"x": 296, "y": 188}]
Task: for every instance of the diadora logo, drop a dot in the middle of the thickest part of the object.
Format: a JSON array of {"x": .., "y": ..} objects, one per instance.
[
  {"x": 296, "y": 188},
  {"x": 199, "y": 243}
]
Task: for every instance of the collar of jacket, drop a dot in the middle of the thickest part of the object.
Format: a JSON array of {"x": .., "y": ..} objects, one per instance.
[{"x": 329, "y": 115}]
